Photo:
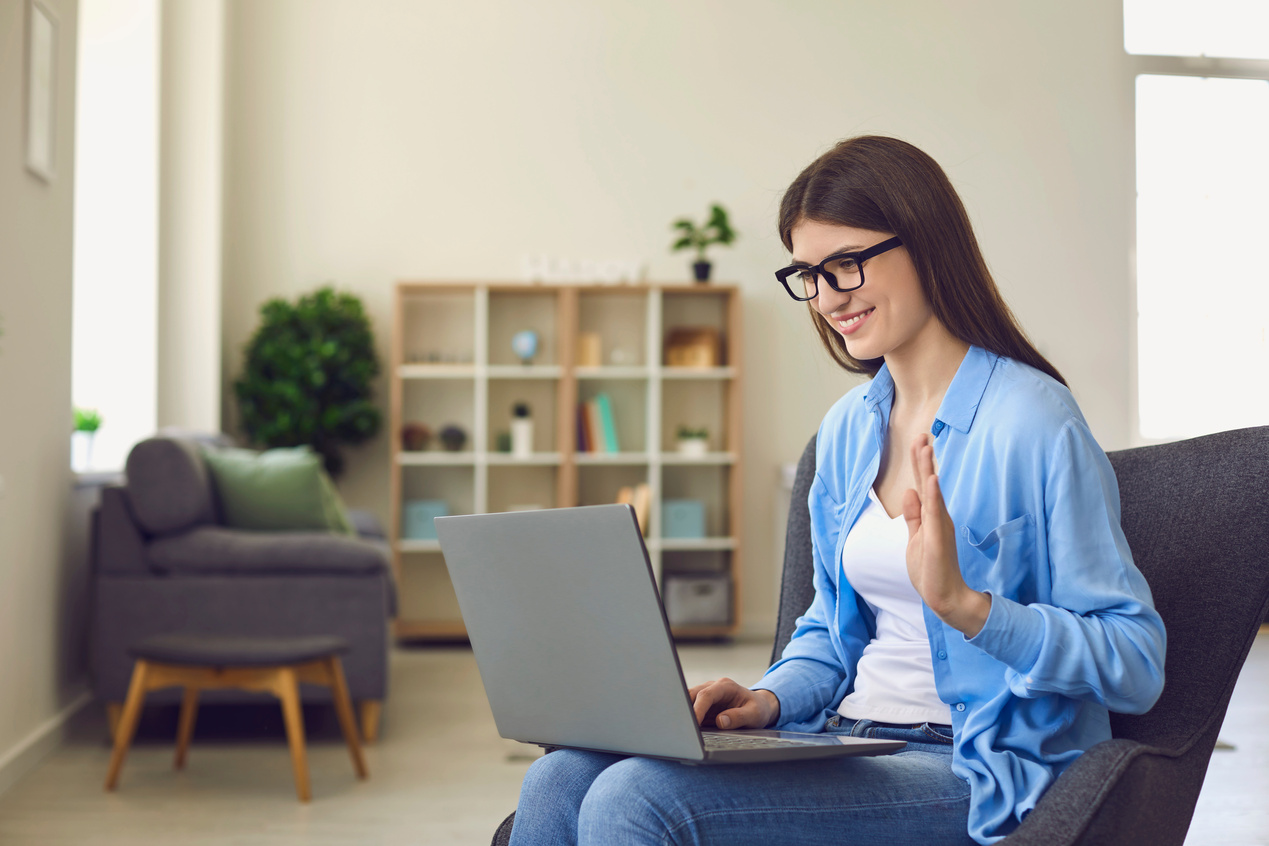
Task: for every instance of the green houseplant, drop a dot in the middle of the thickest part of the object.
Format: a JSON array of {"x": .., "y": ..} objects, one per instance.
[
  {"x": 307, "y": 376},
  {"x": 716, "y": 230},
  {"x": 87, "y": 422}
]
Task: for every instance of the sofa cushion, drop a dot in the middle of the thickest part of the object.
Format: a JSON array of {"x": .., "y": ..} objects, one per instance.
[
  {"x": 219, "y": 550},
  {"x": 277, "y": 490},
  {"x": 168, "y": 486}
]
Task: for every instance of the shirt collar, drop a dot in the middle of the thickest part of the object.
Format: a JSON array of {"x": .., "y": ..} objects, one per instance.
[{"x": 960, "y": 403}]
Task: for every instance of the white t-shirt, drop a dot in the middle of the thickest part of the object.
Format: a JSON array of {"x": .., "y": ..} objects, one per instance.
[{"x": 895, "y": 679}]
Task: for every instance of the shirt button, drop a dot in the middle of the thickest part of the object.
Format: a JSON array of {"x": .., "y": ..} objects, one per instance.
[
  {"x": 942, "y": 655},
  {"x": 960, "y": 706},
  {"x": 938, "y": 426}
]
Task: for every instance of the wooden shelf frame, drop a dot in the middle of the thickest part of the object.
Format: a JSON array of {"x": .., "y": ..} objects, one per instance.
[{"x": 650, "y": 376}]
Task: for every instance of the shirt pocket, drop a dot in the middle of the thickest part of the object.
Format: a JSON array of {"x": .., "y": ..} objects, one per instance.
[{"x": 1001, "y": 560}]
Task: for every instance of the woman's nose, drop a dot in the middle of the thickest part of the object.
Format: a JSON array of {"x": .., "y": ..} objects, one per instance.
[{"x": 827, "y": 300}]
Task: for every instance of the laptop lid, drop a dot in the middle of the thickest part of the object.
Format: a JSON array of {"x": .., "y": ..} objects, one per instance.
[{"x": 568, "y": 631}]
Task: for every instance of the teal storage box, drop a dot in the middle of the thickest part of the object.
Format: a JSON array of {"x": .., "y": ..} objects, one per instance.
[
  {"x": 417, "y": 516},
  {"x": 682, "y": 518}
]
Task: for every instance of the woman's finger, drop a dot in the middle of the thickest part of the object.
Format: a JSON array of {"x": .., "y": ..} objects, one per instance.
[{"x": 914, "y": 453}]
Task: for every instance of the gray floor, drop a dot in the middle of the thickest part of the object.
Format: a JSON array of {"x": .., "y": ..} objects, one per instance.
[{"x": 440, "y": 774}]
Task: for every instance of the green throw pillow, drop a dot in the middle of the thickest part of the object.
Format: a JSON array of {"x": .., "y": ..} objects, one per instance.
[{"x": 284, "y": 489}]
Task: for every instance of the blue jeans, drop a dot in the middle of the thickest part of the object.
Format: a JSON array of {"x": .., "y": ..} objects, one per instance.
[{"x": 912, "y": 796}]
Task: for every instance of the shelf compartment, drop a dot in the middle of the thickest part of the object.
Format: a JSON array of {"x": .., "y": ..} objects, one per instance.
[
  {"x": 542, "y": 398},
  {"x": 453, "y": 485},
  {"x": 442, "y": 327},
  {"x": 697, "y": 405},
  {"x": 708, "y": 484},
  {"x": 517, "y": 487},
  {"x": 440, "y": 403},
  {"x": 682, "y": 309},
  {"x": 512, "y": 311},
  {"x": 629, "y": 403},
  {"x": 427, "y": 594},
  {"x": 619, "y": 317},
  {"x": 599, "y": 485}
]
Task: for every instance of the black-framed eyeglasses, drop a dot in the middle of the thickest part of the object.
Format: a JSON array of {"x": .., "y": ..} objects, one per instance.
[{"x": 843, "y": 272}]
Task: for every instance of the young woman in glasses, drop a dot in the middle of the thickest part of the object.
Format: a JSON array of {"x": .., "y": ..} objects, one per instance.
[{"x": 974, "y": 593}]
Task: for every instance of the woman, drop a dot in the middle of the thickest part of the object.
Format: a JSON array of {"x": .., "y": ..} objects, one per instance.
[{"x": 974, "y": 596}]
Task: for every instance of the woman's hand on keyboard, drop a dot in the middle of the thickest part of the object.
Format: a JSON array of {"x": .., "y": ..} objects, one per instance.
[{"x": 729, "y": 705}]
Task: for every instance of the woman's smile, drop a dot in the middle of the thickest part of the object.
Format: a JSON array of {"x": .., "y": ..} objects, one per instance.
[{"x": 851, "y": 323}]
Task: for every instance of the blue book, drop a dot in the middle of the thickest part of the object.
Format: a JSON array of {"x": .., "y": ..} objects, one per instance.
[{"x": 610, "y": 428}]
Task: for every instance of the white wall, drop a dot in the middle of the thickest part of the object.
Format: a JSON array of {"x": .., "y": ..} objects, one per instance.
[
  {"x": 43, "y": 583},
  {"x": 371, "y": 142},
  {"x": 191, "y": 118}
]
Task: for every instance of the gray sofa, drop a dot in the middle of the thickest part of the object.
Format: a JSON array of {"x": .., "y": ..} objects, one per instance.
[{"x": 162, "y": 561}]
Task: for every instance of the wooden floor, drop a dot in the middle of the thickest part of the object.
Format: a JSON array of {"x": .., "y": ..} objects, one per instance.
[{"x": 439, "y": 775}]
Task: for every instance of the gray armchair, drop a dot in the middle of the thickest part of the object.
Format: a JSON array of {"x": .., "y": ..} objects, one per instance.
[
  {"x": 162, "y": 562},
  {"x": 1193, "y": 512}
]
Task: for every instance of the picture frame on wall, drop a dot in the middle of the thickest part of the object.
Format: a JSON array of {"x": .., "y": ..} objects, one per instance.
[{"x": 41, "y": 90}]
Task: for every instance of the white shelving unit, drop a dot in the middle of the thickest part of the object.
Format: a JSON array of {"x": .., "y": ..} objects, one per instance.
[{"x": 452, "y": 364}]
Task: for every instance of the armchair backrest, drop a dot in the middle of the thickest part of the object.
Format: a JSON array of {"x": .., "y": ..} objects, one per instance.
[
  {"x": 1196, "y": 515},
  {"x": 796, "y": 587}
]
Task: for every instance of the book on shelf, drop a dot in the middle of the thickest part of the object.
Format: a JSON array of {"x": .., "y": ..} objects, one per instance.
[
  {"x": 585, "y": 441},
  {"x": 609, "y": 425},
  {"x": 596, "y": 430},
  {"x": 640, "y": 498}
]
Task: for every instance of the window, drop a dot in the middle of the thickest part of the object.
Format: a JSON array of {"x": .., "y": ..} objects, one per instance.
[
  {"x": 1202, "y": 215},
  {"x": 116, "y": 224}
]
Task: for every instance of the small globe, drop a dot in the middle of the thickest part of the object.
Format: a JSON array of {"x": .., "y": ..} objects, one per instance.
[{"x": 525, "y": 345}]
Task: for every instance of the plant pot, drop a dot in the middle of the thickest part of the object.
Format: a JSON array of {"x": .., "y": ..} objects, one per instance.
[
  {"x": 82, "y": 451},
  {"x": 693, "y": 447},
  {"x": 701, "y": 269}
]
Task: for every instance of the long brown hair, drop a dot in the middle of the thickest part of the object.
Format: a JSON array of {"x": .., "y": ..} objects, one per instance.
[{"x": 887, "y": 185}]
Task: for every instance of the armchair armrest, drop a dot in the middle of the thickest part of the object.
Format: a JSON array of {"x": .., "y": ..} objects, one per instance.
[
  {"x": 216, "y": 550},
  {"x": 1114, "y": 793}
]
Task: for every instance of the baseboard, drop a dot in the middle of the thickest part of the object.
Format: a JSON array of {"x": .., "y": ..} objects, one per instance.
[{"x": 27, "y": 754}]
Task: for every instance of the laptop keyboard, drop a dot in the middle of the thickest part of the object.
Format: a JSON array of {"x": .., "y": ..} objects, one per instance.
[{"x": 744, "y": 741}]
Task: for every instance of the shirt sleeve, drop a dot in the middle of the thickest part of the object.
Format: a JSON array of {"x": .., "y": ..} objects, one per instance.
[
  {"x": 1100, "y": 639},
  {"x": 810, "y": 675}
]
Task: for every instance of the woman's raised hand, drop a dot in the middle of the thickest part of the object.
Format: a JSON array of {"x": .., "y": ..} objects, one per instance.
[
  {"x": 932, "y": 562},
  {"x": 729, "y": 705}
]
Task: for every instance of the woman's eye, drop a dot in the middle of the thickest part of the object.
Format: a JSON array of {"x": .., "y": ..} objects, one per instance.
[{"x": 845, "y": 265}]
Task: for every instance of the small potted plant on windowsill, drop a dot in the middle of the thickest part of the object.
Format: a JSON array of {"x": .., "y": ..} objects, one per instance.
[
  {"x": 716, "y": 230},
  {"x": 87, "y": 422},
  {"x": 693, "y": 442}
]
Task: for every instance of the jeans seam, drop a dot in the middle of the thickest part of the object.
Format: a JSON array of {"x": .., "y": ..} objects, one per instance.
[
  {"x": 704, "y": 815},
  {"x": 940, "y": 738}
]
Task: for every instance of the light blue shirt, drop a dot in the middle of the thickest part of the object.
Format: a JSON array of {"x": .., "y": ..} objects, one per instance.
[{"x": 1072, "y": 632}]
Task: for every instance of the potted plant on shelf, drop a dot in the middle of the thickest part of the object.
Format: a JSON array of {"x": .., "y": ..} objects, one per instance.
[
  {"x": 715, "y": 230},
  {"x": 307, "y": 376},
  {"x": 693, "y": 442},
  {"x": 87, "y": 422}
]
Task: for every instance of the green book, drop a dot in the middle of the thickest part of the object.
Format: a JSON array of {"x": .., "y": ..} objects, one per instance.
[{"x": 610, "y": 428}]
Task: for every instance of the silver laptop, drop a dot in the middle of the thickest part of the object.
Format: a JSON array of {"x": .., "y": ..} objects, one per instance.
[{"x": 574, "y": 648}]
